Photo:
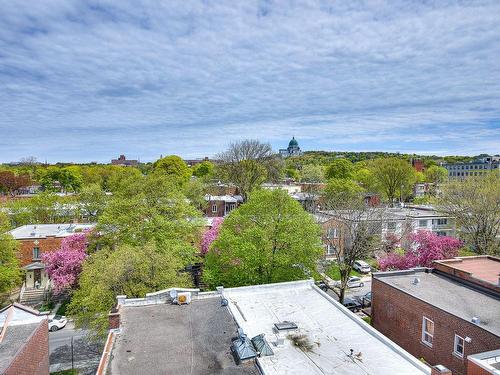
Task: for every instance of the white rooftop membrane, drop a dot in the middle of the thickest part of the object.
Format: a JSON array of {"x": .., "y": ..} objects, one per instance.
[{"x": 332, "y": 329}]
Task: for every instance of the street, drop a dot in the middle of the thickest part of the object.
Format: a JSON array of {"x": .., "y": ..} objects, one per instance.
[{"x": 69, "y": 347}]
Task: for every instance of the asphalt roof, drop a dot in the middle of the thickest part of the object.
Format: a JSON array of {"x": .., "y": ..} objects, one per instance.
[
  {"x": 15, "y": 337},
  {"x": 44, "y": 230},
  {"x": 169, "y": 339},
  {"x": 451, "y": 296}
]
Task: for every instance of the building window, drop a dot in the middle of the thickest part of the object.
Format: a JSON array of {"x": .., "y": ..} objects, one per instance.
[
  {"x": 36, "y": 253},
  {"x": 427, "y": 331},
  {"x": 391, "y": 225},
  {"x": 441, "y": 221},
  {"x": 214, "y": 208},
  {"x": 330, "y": 249},
  {"x": 458, "y": 346},
  {"x": 422, "y": 223},
  {"x": 441, "y": 234},
  {"x": 332, "y": 233}
]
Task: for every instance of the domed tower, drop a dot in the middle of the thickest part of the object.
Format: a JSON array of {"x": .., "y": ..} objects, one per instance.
[{"x": 292, "y": 150}]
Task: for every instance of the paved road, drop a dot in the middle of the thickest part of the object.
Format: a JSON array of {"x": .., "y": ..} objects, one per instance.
[{"x": 84, "y": 356}]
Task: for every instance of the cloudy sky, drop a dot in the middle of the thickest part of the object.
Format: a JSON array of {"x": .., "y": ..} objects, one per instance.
[{"x": 88, "y": 80}]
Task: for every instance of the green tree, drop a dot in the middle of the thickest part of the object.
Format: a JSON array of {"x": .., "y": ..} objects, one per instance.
[
  {"x": 312, "y": 173},
  {"x": 92, "y": 201},
  {"x": 151, "y": 208},
  {"x": 116, "y": 178},
  {"x": 203, "y": 169},
  {"x": 268, "y": 239},
  {"x": 394, "y": 176},
  {"x": 365, "y": 178},
  {"x": 339, "y": 168},
  {"x": 69, "y": 178},
  {"x": 475, "y": 205},
  {"x": 339, "y": 189},
  {"x": 10, "y": 272},
  {"x": 173, "y": 166},
  {"x": 126, "y": 270},
  {"x": 436, "y": 174}
]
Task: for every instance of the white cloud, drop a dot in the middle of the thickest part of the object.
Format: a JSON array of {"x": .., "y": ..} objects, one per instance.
[{"x": 85, "y": 81}]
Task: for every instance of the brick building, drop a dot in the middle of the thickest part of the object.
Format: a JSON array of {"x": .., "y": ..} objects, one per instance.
[
  {"x": 446, "y": 315},
  {"x": 24, "y": 341},
  {"x": 221, "y": 205},
  {"x": 38, "y": 239},
  {"x": 122, "y": 160}
]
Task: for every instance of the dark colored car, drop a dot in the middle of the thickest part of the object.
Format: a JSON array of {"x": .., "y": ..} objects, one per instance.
[
  {"x": 364, "y": 300},
  {"x": 352, "y": 304},
  {"x": 322, "y": 286}
]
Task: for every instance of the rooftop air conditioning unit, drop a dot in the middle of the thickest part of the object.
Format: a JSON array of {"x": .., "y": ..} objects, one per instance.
[{"x": 183, "y": 298}]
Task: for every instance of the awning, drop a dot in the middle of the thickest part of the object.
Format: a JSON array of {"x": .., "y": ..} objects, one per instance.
[{"x": 34, "y": 266}]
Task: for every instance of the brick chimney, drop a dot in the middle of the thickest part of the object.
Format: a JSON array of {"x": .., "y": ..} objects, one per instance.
[{"x": 440, "y": 370}]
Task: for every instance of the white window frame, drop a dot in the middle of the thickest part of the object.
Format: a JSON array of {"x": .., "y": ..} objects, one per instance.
[
  {"x": 330, "y": 249},
  {"x": 329, "y": 233},
  {"x": 37, "y": 250},
  {"x": 426, "y": 333},
  {"x": 392, "y": 225},
  {"x": 455, "y": 346},
  {"x": 214, "y": 208},
  {"x": 421, "y": 221}
]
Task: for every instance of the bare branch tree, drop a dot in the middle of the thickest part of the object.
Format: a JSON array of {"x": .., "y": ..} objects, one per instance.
[
  {"x": 249, "y": 163},
  {"x": 475, "y": 204}
]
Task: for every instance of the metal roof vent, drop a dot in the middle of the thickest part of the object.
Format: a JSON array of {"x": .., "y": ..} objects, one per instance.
[
  {"x": 285, "y": 326},
  {"x": 416, "y": 281},
  {"x": 476, "y": 320},
  {"x": 243, "y": 347},
  {"x": 261, "y": 345}
]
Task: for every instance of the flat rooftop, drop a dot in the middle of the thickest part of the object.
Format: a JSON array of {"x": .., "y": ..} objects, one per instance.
[
  {"x": 446, "y": 294},
  {"x": 45, "y": 230},
  {"x": 331, "y": 328},
  {"x": 170, "y": 339},
  {"x": 486, "y": 268}
]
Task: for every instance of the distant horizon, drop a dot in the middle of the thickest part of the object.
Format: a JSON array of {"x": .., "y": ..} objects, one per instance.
[
  {"x": 275, "y": 149},
  {"x": 85, "y": 81}
]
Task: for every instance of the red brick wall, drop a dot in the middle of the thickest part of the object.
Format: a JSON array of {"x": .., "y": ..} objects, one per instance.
[
  {"x": 473, "y": 369},
  {"x": 398, "y": 316},
  {"x": 33, "y": 358},
  {"x": 25, "y": 252}
]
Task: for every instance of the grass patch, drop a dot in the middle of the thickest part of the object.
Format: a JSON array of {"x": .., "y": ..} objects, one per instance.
[
  {"x": 334, "y": 272},
  {"x": 47, "y": 306},
  {"x": 367, "y": 319}
]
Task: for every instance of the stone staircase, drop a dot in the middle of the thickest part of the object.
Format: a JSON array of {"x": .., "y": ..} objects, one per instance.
[{"x": 32, "y": 296}]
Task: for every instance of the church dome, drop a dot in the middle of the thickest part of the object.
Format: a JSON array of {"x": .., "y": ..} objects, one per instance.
[{"x": 293, "y": 143}]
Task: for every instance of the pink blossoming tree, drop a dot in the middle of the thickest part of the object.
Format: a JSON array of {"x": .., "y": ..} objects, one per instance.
[
  {"x": 425, "y": 248},
  {"x": 64, "y": 265},
  {"x": 211, "y": 235}
]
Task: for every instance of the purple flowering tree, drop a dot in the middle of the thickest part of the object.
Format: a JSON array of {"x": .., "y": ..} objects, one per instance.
[
  {"x": 65, "y": 264},
  {"x": 211, "y": 235},
  {"x": 424, "y": 249}
]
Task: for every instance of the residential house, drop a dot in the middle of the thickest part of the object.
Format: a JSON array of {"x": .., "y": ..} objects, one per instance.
[
  {"x": 24, "y": 341},
  {"x": 384, "y": 222},
  {"x": 34, "y": 241},
  {"x": 221, "y": 205},
  {"x": 448, "y": 314}
]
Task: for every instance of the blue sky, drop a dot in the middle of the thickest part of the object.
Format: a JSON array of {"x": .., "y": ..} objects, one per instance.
[{"x": 85, "y": 81}]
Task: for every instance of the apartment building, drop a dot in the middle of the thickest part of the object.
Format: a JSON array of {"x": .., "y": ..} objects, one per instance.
[{"x": 477, "y": 167}]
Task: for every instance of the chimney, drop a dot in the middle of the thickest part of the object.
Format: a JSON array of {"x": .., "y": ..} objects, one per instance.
[{"x": 440, "y": 370}]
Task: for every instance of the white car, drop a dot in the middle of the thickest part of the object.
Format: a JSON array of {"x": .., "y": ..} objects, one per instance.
[
  {"x": 57, "y": 322},
  {"x": 354, "y": 282},
  {"x": 362, "y": 266}
]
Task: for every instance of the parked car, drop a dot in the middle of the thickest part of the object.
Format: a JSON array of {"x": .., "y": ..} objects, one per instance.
[
  {"x": 352, "y": 304},
  {"x": 362, "y": 266},
  {"x": 57, "y": 322},
  {"x": 355, "y": 282},
  {"x": 365, "y": 300},
  {"x": 322, "y": 285}
]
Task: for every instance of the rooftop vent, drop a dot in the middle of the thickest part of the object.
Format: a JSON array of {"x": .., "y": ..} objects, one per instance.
[
  {"x": 285, "y": 326},
  {"x": 416, "y": 281},
  {"x": 261, "y": 345},
  {"x": 243, "y": 347},
  {"x": 476, "y": 320}
]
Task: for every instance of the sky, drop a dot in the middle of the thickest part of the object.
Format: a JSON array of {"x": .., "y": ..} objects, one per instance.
[{"x": 88, "y": 80}]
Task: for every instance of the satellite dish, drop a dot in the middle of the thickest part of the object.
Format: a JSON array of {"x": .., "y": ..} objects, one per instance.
[{"x": 173, "y": 294}]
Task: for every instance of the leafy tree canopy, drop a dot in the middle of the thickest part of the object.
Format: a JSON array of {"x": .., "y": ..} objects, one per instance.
[
  {"x": 268, "y": 239},
  {"x": 10, "y": 272},
  {"x": 173, "y": 166}
]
